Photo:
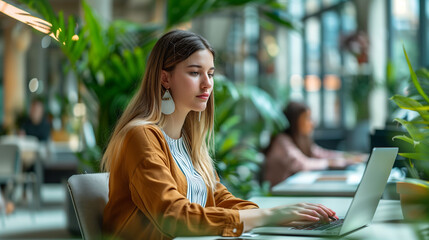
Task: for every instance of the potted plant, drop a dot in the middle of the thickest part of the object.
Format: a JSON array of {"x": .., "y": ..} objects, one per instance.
[{"x": 414, "y": 191}]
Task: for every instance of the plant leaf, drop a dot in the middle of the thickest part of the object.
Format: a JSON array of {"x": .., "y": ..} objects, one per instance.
[
  {"x": 414, "y": 78},
  {"x": 416, "y": 156},
  {"x": 405, "y": 138}
]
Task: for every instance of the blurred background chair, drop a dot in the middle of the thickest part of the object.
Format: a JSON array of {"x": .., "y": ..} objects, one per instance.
[
  {"x": 89, "y": 195},
  {"x": 10, "y": 167},
  {"x": 26, "y": 168}
]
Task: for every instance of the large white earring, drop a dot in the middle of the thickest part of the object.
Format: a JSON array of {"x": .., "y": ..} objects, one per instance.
[{"x": 167, "y": 105}]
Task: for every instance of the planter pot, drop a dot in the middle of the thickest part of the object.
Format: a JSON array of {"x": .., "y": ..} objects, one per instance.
[{"x": 414, "y": 197}]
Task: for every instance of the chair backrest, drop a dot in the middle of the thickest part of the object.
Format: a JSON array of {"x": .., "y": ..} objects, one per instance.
[
  {"x": 89, "y": 194},
  {"x": 10, "y": 162}
]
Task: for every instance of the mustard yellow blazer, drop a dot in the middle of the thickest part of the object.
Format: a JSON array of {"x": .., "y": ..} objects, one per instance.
[{"x": 147, "y": 195}]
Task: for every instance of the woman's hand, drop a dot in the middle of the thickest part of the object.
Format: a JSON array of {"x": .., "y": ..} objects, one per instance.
[
  {"x": 286, "y": 215},
  {"x": 302, "y": 212}
]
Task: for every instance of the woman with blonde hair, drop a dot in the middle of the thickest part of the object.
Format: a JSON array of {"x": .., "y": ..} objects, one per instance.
[{"x": 162, "y": 180}]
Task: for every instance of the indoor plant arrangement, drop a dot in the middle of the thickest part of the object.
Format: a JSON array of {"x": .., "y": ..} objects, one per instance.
[{"x": 414, "y": 191}]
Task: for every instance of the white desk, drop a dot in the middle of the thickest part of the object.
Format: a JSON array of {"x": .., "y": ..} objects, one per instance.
[
  {"x": 320, "y": 183},
  {"x": 333, "y": 183},
  {"x": 386, "y": 223}
]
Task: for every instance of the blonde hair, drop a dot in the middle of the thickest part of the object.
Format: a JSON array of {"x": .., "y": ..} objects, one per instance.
[{"x": 145, "y": 106}]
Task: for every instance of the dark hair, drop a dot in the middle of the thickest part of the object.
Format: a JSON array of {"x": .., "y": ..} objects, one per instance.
[{"x": 292, "y": 112}]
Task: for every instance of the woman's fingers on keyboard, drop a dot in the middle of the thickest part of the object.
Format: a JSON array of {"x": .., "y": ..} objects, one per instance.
[
  {"x": 298, "y": 223},
  {"x": 322, "y": 211}
]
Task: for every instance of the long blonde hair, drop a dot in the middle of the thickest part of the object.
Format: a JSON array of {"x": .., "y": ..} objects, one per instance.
[{"x": 145, "y": 106}]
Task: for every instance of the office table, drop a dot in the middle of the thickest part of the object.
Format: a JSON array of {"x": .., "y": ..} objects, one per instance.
[
  {"x": 321, "y": 183},
  {"x": 387, "y": 222}
]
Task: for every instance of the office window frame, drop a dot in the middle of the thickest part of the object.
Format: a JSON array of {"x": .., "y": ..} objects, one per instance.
[
  {"x": 336, "y": 7},
  {"x": 423, "y": 35}
]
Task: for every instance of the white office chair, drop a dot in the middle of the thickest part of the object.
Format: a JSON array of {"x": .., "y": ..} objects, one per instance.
[{"x": 89, "y": 195}]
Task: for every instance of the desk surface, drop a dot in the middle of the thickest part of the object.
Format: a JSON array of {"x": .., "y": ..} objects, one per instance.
[
  {"x": 384, "y": 226},
  {"x": 321, "y": 183}
]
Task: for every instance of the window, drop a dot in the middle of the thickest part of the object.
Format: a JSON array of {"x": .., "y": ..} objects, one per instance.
[
  {"x": 332, "y": 69},
  {"x": 326, "y": 23},
  {"x": 295, "y": 56},
  {"x": 405, "y": 30},
  {"x": 312, "y": 65}
]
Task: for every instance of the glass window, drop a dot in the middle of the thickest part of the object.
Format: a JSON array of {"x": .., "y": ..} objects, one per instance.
[
  {"x": 405, "y": 23},
  {"x": 312, "y": 6},
  {"x": 295, "y": 56},
  {"x": 348, "y": 28},
  {"x": 331, "y": 33},
  {"x": 296, "y": 8},
  {"x": 312, "y": 42},
  {"x": 327, "y": 3},
  {"x": 332, "y": 64},
  {"x": 313, "y": 59},
  {"x": 348, "y": 18}
]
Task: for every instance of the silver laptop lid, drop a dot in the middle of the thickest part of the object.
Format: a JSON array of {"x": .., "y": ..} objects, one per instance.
[{"x": 370, "y": 189}]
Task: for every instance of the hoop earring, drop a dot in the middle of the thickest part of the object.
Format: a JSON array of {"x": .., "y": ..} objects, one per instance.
[
  {"x": 167, "y": 105},
  {"x": 199, "y": 116}
]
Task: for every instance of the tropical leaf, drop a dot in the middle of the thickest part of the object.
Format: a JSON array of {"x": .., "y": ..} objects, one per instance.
[
  {"x": 412, "y": 129},
  {"x": 411, "y": 104},
  {"x": 416, "y": 156},
  {"x": 281, "y": 18},
  {"x": 183, "y": 11},
  {"x": 266, "y": 107},
  {"x": 406, "y": 139},
  {"x": 414, "y": 78}
]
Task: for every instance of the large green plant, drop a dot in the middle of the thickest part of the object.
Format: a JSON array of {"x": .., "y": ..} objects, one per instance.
[
  {"x": 416, "y": 102},
  {"x": 414, "y": 192},
  {"x": 109, "y": 70}
]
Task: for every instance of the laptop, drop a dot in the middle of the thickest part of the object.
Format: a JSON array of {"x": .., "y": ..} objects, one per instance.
[{"x": 363, "y": 206}]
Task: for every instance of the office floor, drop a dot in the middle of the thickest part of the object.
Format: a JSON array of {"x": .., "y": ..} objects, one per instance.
[{"x": 47, "y": 222}]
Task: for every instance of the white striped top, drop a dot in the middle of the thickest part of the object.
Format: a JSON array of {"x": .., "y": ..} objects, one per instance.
[{"x": 197, "y": 189}]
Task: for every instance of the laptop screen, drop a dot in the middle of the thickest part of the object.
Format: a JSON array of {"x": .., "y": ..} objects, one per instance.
[{"x": 370, "y": 189}]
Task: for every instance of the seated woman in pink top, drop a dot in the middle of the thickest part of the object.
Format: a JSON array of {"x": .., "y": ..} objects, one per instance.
[{"x": 293, "y": 150}]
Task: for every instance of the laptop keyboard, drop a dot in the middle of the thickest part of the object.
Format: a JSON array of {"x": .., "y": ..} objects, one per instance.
[{"x": 321, "y": 226}]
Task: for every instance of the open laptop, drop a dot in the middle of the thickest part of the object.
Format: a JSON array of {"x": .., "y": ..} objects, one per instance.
[{"x": 363, "y": 206}]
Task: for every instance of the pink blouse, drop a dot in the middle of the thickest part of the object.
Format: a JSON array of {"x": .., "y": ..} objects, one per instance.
[{"x": 284, "y": 159}]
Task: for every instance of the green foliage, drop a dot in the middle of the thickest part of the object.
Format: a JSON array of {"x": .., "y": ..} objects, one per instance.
[
  {"x": 109, "y": 66},
  {"x": 185, "y": 10},
  {"x": 237, "y": 157},
  {"x": 418, "y": 128}
]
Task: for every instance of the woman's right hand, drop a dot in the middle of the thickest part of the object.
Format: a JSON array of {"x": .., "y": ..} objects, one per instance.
[
  {"x": 286, "y": 215},
  {"x": 289, "y": 215}
]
